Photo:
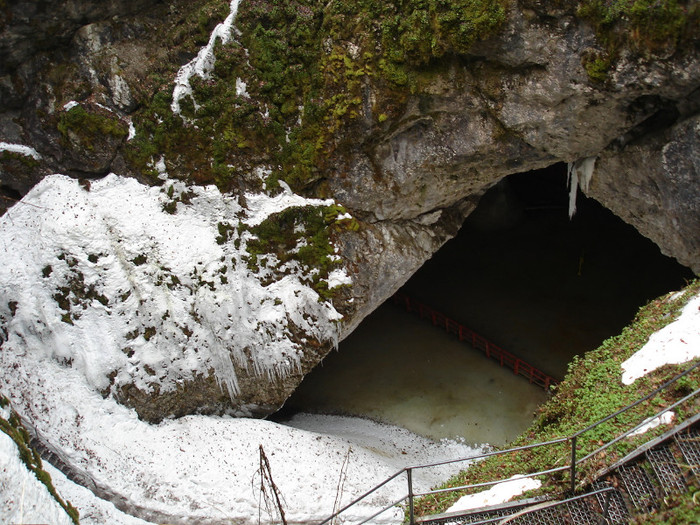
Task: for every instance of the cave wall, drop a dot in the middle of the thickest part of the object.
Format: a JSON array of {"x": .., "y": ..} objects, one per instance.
[
  {"x": 652, "y": 184},
  {"x": 521, "y": 99}
]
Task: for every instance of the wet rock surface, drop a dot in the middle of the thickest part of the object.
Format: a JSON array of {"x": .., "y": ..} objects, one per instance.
[{"x": 519, "y": 101}]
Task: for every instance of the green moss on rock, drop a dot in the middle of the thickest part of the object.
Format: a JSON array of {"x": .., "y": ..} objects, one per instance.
[
  {"x": 83, "y": 127},
  {"x": 647, "y": 27},
  {"x": 30, "y": 457},
  {"x": 303, "y": 234},
  {"x": 307, "y": 65}
]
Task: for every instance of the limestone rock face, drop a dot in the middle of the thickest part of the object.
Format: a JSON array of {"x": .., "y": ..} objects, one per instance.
[
  {"x": 54, "y": 53},
  {"x": 519, "y": 101},
  {"x": 652, "y": 183}
]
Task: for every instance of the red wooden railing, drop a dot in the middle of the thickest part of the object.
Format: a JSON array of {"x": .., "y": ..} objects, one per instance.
[{"x": 492, "y": 351}]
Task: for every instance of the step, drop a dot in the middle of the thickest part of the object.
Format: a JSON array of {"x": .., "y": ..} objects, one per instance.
[
  {"x": 612, "y": 504},
  {"x": 639, "y": 487},
  {"x": 666, "y": 469},
  {"x": 584, "y": 511},
  {"x": 689, "y": 444}
]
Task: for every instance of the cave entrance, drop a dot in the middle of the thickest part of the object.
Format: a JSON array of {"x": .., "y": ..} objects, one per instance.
[{"x": 520, "y": 273}]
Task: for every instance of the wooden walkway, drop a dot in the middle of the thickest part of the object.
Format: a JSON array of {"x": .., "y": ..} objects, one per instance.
[{"x": 492, "y": 351}]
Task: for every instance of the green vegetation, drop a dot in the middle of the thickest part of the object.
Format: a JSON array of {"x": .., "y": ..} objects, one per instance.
[
  {"x": 648, "y": 27},
  {"x": 302, "y": 234},
  {"x": 307, "y": 64},
  {"x": 318, "y": 73},
  {"x": 86, "y": 127},
  {"x": 30, "y": 457},
  {"x": 677, "y": 508},
  {"x": 581, "y": 401},
  {"x": 25, "y": 160}
]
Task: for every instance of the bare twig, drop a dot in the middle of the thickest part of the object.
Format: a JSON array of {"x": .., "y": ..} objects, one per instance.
[
  {"x": 341, "y": 485},
  {"x": 270, "y": 495}
]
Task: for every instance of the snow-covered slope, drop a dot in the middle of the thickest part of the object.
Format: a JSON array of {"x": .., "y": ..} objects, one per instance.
[
  {"x": 108, "y": 282},
  {"x": 103, "y": 287},
  {"x": 203, "y": 468}
]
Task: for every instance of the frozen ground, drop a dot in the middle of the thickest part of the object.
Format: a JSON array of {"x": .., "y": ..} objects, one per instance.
[
  {"x": 207, "y": 468},
  {"x": 84, "y": 276}
]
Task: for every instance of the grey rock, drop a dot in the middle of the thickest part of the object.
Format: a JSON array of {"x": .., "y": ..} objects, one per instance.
[
  {"x": 654, "y": 185},
  {"x": 521, "y": 100}
]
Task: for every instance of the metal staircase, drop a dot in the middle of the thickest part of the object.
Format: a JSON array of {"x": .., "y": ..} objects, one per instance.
[
  {"x": 667, "y": 466},
  {"x": 636, "y": 484}
]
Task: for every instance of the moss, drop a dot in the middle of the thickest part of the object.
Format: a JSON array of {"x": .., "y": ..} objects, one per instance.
[
  {"x": 647, "y": 27},
  {"x": 303, "y": 234},
  {"x": 25, "y": 160},
  {"x": 30, "y": 457},
  {"x": 226, "y": 231},
  {"x": 307, "y": 64},
  {"x": 77, "y": 123},
  {"x": 675, "y": 508},
  {"x": 597, "y": 66}
]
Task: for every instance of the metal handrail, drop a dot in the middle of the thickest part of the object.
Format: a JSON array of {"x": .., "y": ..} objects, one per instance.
[
  {"x": 573, "y": 438},
  {"x": 552, "y": 504},
  {"x": 360, "y": 498},
  {"x": 478, "y": 342}
]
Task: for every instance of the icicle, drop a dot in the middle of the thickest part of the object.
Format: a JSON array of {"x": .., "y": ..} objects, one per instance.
[{"x": 579, "y": 175}]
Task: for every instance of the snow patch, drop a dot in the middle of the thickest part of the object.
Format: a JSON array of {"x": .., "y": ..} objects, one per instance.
[
  {"x": 20, "y": 149},
  {"x": 241, "y": 88},
  {"x": 203, "y": 64},
  {"x": 499, "y": 493},
  {"x": 338, "y": 277},
  {"x": 676, "y": 343},
  {"x": 664, "y": 419}
]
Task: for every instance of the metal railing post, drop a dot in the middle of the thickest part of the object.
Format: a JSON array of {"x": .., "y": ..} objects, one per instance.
[
  {"x": 606, "y": 507},
  {"x": 409, "y": 475},
  {"x": 573, "y": 464}
]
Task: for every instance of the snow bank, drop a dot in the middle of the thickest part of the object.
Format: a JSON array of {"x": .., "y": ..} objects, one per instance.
[
  {"x": 676, "y": 343},
  {"x": 108, "y": 282},
  {"x": 93, "y": 510},
  {"x": 106, "y": 286},
  {"x": 500, "y": 493},
  {"x": 200, "y": 467}
]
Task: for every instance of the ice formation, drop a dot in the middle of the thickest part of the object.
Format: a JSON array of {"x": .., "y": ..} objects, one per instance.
[{"x": 580, "y": 173}]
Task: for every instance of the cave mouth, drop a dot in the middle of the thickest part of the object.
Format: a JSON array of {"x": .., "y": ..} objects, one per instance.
[{"x": 523, "y": 275}]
